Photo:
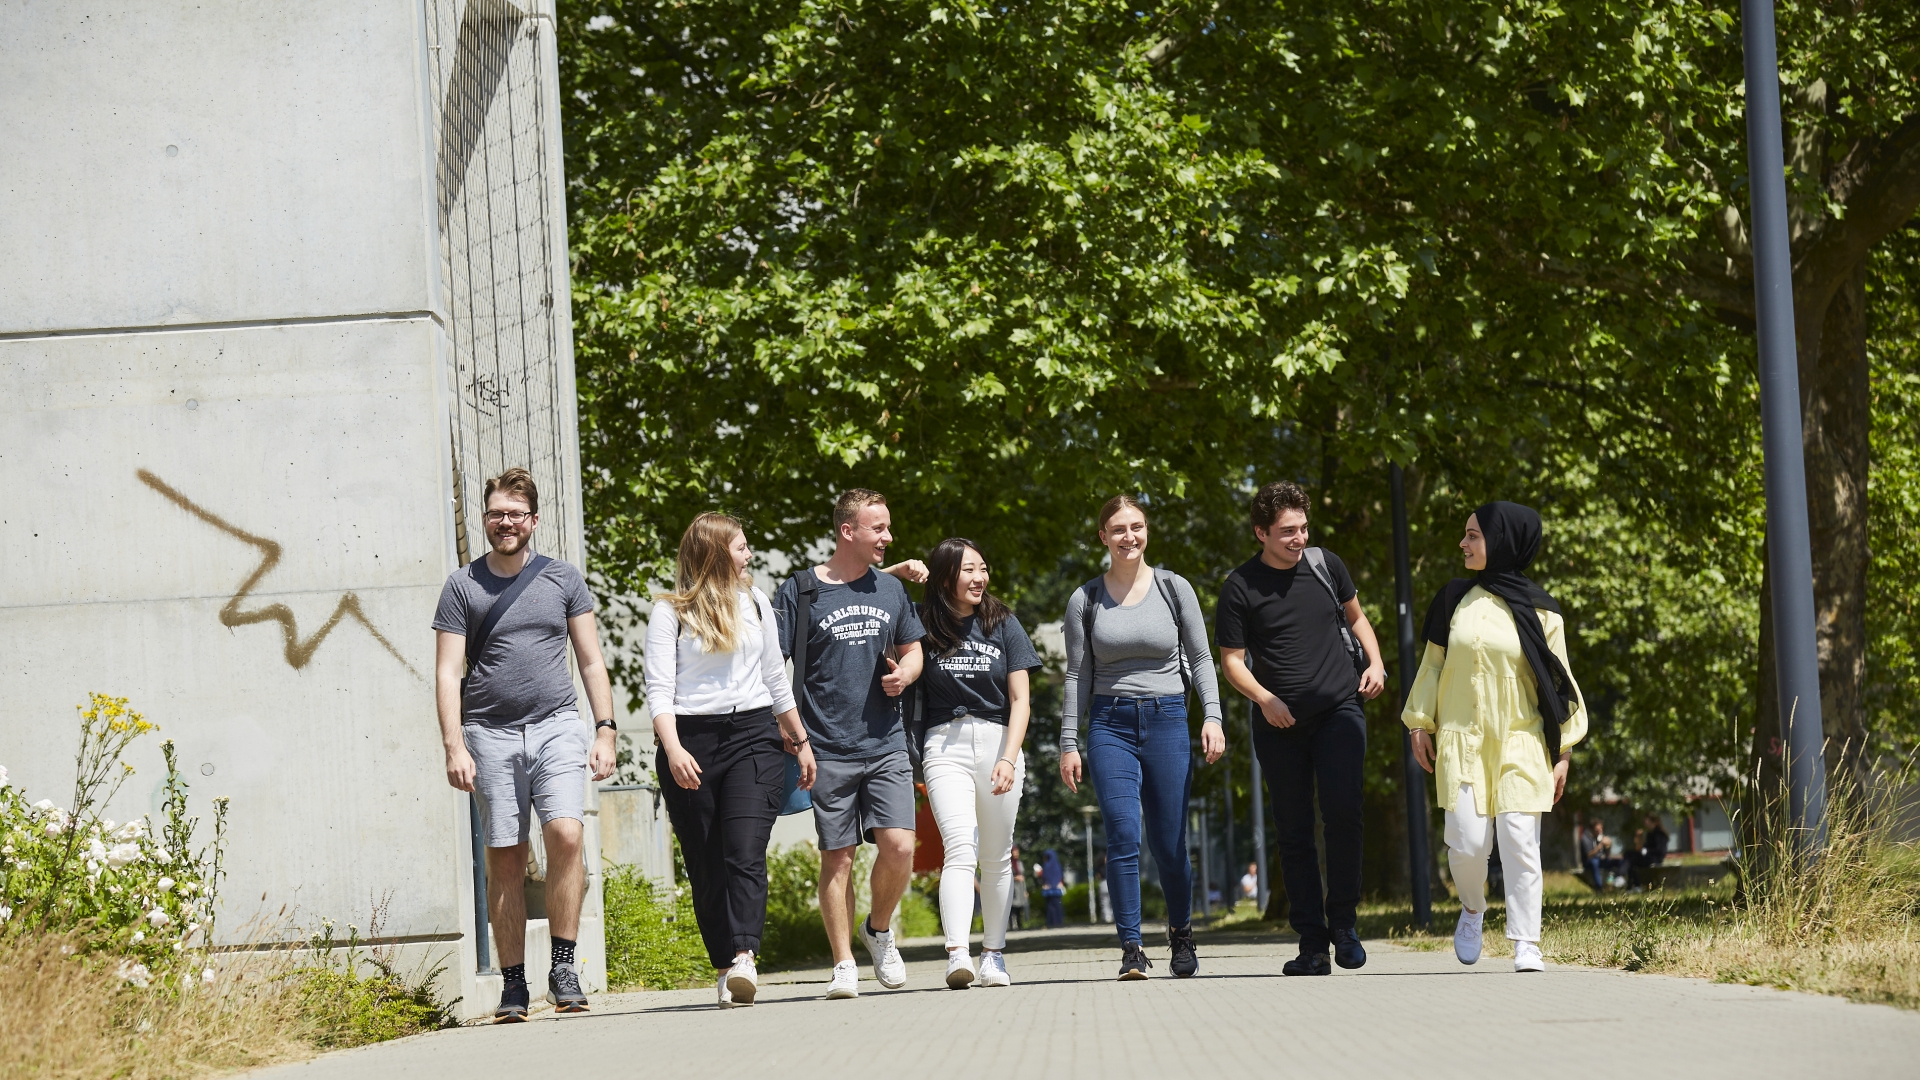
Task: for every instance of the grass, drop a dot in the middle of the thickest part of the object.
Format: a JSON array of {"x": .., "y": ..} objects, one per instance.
[{"x": 1842, "y": 924}]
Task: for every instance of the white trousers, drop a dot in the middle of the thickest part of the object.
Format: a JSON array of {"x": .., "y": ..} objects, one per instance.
[
  {"x": 976, "y": 826},
  {"x": 1470, "y": 841}
]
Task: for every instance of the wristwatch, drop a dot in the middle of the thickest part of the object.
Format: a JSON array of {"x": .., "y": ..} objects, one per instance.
[{"x": 598, "y": 724}]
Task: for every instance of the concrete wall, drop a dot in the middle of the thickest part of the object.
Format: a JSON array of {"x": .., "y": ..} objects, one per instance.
[{"x": 229, "y": 360}]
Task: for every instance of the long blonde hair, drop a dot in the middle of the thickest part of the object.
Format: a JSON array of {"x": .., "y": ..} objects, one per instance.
[{"x": 708, "y": 596}]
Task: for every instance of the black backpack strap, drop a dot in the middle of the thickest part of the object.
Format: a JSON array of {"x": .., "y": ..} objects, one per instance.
[
  {"x": 1317, "y": 562},
  {"x": 1091, "y": 590},
  {"x": 478, "y": 639},
  {"x": 806, "y": 586},
  {"x": 1163, "y": 580}
]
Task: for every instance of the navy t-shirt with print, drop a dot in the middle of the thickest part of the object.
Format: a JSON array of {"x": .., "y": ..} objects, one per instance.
[
  {"x": 848, "y": 716},
  {"x": 973, "y": 678}
]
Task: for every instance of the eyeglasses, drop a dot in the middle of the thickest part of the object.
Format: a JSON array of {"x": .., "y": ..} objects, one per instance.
[{"x": 510, "y": 517}]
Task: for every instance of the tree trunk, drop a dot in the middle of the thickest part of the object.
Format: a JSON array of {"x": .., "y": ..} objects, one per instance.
[{"x": 1838, "y": 424}]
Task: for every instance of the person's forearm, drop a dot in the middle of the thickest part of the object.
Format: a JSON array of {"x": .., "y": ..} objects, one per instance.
[
  {"x": 1234, "y": 663},
  {"x": 666, "y": 731},
  {"x": 791, "y": 728},
  {"x": 911, "y": 662},
  {"x": 1018, "y": 714},
  {"x": 1369, "y": 641},
  {"x": 599, "y": 690},
  {"x": 446, "y": 695}
]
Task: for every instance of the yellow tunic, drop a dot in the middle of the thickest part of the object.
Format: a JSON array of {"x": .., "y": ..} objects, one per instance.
[{"x": 1479, "y": 692}]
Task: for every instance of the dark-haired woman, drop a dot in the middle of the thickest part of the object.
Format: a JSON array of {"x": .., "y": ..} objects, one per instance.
[
  {"x": 1135, "y": 637},
  {"x": 1495, "y": 694},
  {"x": 976, "y": 714}
]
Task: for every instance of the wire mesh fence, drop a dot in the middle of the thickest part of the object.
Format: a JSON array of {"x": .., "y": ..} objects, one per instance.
[{"x": 497, "y": 220}]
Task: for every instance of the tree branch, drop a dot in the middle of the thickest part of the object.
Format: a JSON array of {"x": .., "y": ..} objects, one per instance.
[{"x": 1882, "y": 199}]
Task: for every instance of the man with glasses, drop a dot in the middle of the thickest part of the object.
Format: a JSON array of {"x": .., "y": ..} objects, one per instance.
[{"x": 511, "y": 726}]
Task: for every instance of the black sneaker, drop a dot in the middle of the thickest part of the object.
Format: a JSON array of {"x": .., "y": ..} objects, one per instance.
[
  {"x": 1307, "y": 963},
  {"x": 1184, "y": 962},
  {"x": 513, "y": 1004},
  {"x": 1347, "y": 951},
  {"x": 1133, "y": 962},
  {"x": 563, "y": 989}
]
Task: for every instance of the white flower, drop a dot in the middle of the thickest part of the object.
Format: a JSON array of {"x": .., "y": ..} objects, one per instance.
[
  {"x": 106, "y": 825},
  {"x": 92, "y": 867},
  {"x": 3, "y": 776},
  {"x": 158, "y": 917},
  {"x": 122, "y": 855},
  {"x": 5, "y": 913},
  {"x": 177, "y": 946},
  {"x": 139, "y": 936},
  {"x": 160, "y": 856},
  {"x": 207, "y": 976},
  {"x": 137, "y": 974},
  {"x": 165, "y": 883},
  {"x": 44, "y": 805},
  {"x": 96, "y": 851},
  {"x": 132, "y": 830},
  {"x": 56, "y": 827}
]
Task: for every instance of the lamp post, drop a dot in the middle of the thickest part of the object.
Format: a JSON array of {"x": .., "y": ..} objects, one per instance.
[
  {"x": 1259, "y": 813},
  {"x": 1093, "y": 892},
  {"x": 1789, "y": 550},
  {"x": 1419, "y": 859}
]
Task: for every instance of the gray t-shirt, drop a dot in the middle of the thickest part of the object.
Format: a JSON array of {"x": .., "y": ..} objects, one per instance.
[
  {"x": 521, "y": 673},
  {"x": 1134, "y": 652},
  {"x": 848, "y": 716}
]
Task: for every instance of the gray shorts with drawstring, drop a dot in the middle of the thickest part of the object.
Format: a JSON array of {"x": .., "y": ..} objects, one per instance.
[{"x": 539, "y": 767}]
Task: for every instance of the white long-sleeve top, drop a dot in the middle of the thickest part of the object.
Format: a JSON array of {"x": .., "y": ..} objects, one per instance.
[{"x": 684, "y": 678}]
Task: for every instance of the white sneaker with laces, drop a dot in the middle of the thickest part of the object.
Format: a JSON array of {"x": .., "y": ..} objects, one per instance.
[
  {"x": 846, "y": 981},
  {"x": 889, "y": 970},
  {"x": 1526, "y": 956},
  {"x": 993, "y": 969},
  {"x": 960, "y": 973},
  {"x": 726, "y": 996},
  {"x": 742, "y": 980},
  {"x": 1466, "y": 936}
]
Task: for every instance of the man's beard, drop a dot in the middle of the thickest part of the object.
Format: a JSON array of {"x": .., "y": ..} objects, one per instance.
[{"x": 509, "y": 544}]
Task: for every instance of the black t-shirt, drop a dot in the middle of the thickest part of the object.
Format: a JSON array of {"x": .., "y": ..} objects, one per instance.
[
  {"x": 973, "y": 679},
  {"x": 1285, "y": 621}
]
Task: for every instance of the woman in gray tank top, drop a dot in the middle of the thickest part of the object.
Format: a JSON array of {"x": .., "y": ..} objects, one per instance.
[{"x": 1135, "y": 637}]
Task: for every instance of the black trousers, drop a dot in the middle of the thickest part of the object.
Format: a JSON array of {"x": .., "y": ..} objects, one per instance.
[
  {"x": 723, "y": 824},
  {"x": 1326, "y": 756}
]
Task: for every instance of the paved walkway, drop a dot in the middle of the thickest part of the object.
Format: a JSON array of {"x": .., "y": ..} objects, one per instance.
[{"x": 1066, "y": 1017}]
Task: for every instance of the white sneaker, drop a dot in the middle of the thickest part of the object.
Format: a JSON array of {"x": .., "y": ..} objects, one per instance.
[
  {"x": 1526, "y": 957},
  {"x": 888, "y": 968},
  {"x": 993, "y": 969},
  {"x": 959, "y": 970},
  {"x": 1466, "y": 936},
  {"x": 726, "y": 996},
  {"x": 846, "y": 981},
  {"x": 742, "y": 981}
]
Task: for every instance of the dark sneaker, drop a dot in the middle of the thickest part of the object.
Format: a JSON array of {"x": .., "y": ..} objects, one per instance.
[
  {"x": 563, "y": 989},
  {"x": 1185, "y": 961},
  {"x": 513, "y": 1005},
  {"x": 1133, "y": 962},
  {"x": 1347, "y": 951},
  {"x": 1307, "y": 963}
]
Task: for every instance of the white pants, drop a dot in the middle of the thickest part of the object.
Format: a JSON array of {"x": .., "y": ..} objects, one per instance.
[
  {"x": 976, "y": 826},
  {"x": 1470, "y": 841}
]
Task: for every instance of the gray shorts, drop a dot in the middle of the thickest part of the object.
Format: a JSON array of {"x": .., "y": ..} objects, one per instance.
[
  {"x": 542, "y": 765},
  {"x": 853, "y": 798}
]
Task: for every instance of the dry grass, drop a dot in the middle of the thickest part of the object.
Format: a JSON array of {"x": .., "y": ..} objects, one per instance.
[{"x": 70, "y": 1015}]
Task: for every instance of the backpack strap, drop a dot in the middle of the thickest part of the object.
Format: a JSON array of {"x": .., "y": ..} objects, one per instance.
[
  {"x": 478, "y": 639},
  {"x": 1163, "y": 580},
  {"x": 806, "y": 586},
  {"x": 1317, "y": 562},
  {"x": 1091, "y": 590}
]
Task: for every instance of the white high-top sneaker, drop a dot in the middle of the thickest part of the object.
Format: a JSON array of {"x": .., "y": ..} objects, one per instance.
[
  {"x": 1526, "y": 956},
  {"x": 1466, "y": 936},
  {"x": 993, "y": 969}
]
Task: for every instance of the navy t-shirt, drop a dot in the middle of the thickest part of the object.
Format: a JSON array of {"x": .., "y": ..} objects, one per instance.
[
  {"x": 973, "y": 678},
  {"x": 851, "y": 626}
]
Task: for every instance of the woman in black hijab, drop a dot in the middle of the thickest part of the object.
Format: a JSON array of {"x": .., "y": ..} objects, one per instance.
[{"x": 1493, "y": 713}]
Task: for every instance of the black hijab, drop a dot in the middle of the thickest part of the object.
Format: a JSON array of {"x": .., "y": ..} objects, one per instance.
[{"x": 1512, "y": 534}]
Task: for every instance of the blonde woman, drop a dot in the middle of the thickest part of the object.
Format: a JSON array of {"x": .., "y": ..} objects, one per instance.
[
  {"x": 1135, "y": 639},
  {"x": 1494, "y": 692},
  {"x": 717, "y": 689}
]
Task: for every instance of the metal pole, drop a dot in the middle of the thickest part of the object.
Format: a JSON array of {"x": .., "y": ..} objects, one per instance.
[
  {"x": 1419, "y": 858},
  {"x": 1093, "y": 891},
  {"x": 1228, "y": 886},
  {"x": 1259, "y": 812},
  {"x": 1789, "y": 550},
  {"x": 482, "y": 931},
  {"x": 1206, "y": 883}
]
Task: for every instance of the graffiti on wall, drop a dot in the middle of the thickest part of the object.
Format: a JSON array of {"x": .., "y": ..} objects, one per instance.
[{"x": 297, "y": 650}]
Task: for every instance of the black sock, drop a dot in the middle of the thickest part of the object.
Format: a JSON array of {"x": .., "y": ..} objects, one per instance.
[
  {"x": 515, "y": 975},
  {"x": 562, "y": 951}
]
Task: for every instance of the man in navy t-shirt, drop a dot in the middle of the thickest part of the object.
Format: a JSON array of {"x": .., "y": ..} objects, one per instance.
[
  {"x": 863, "y": 788},
  {"x": 1279, "y": 628}
]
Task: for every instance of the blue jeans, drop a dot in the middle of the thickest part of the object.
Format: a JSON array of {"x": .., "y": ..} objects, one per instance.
[{"x": 1141, "y": 760}]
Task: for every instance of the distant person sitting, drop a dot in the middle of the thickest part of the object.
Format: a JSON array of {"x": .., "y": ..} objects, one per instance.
[
  {"x": 1596, "y": 855},
  {"x": 1250, "y": 883},
  {"x": 1650, "y": 852},
  {"x": 1053, "y": 886}
]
